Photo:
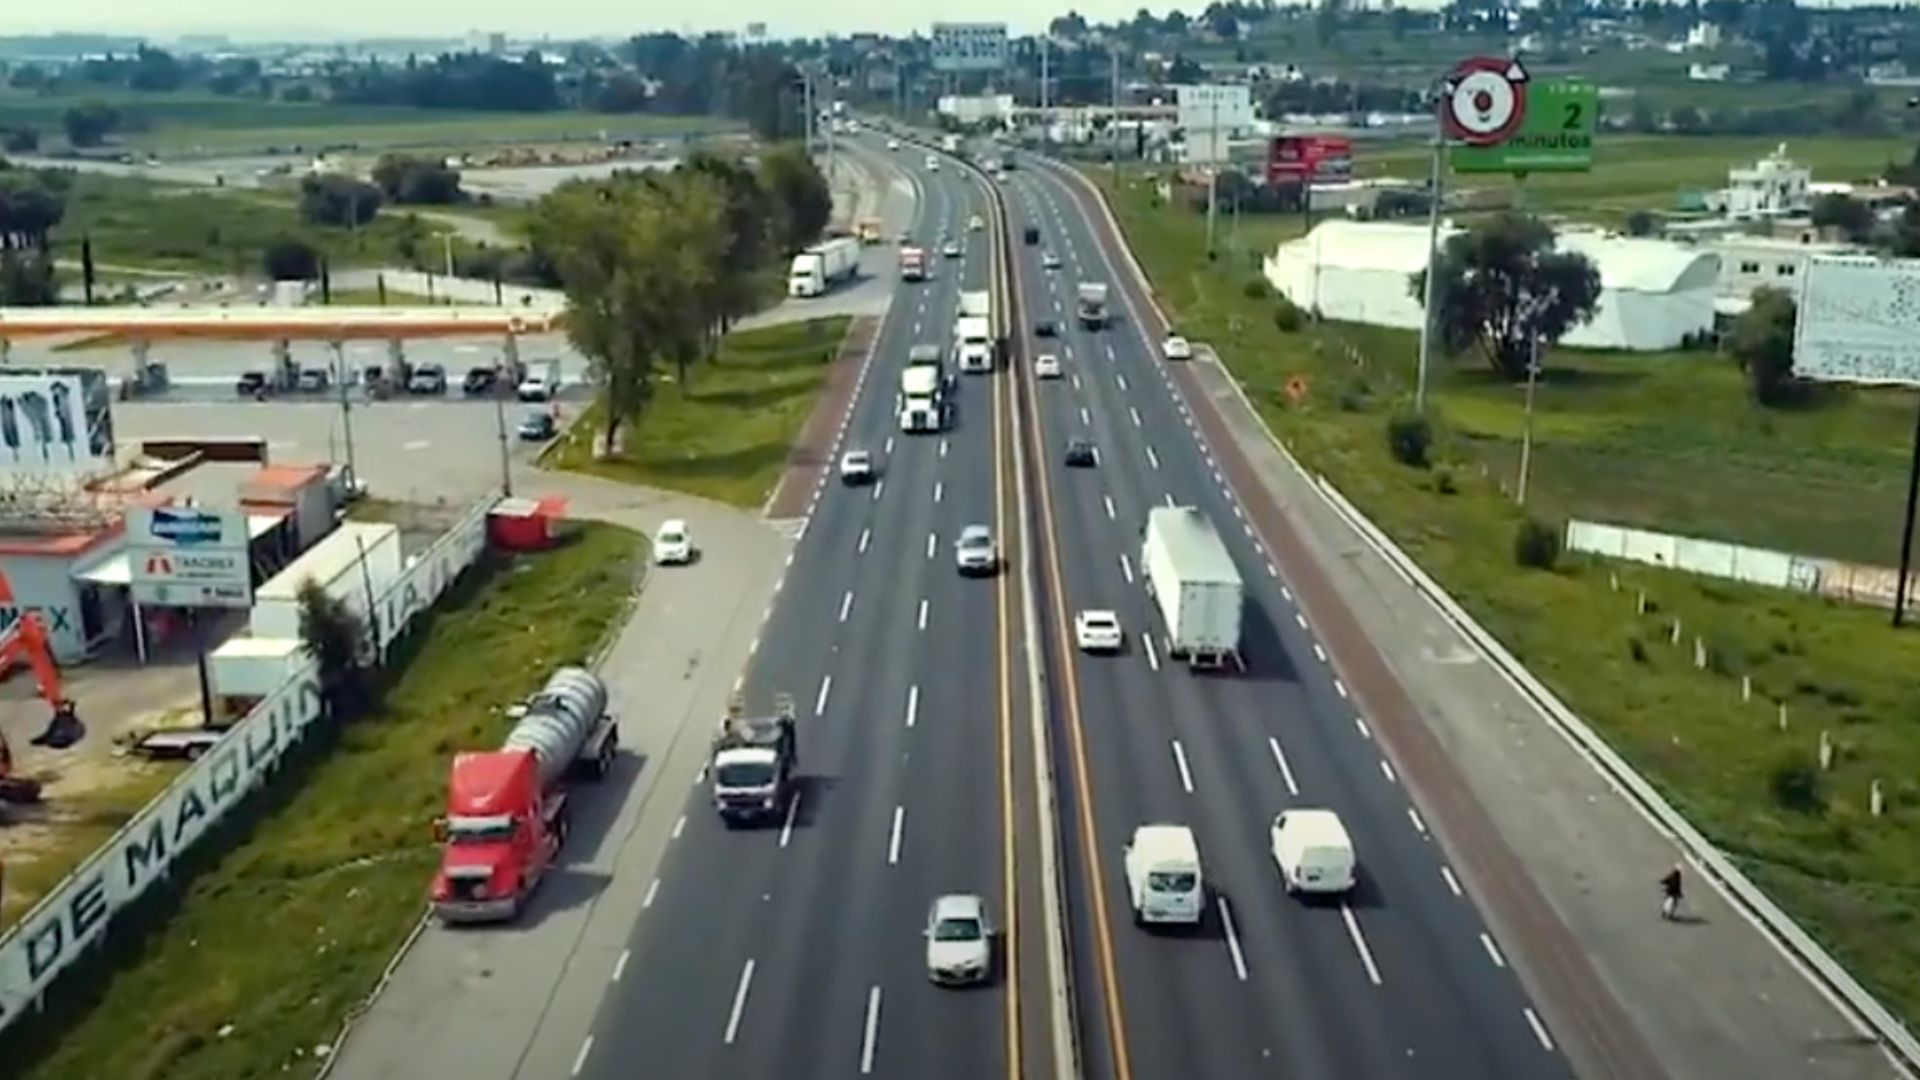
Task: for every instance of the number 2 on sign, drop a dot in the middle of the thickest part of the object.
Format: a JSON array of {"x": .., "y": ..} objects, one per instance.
[{"x": 1573, "y": 117}]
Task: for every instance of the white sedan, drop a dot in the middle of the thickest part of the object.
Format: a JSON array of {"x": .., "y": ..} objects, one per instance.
[
  {"x": 1098, "y": 631},
  {"x": 672, "y": 544},
  {"x": 1046, "y": 366},
  {"x": 1177, "y": 348}
]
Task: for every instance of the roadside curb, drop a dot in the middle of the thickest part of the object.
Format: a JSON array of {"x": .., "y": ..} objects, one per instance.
[{"x": 1860, "y": 1007}]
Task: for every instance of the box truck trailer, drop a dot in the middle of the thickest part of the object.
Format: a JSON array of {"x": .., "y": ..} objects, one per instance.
[
  {"x": 1194, "y": 585},
  {"x": 822, "y": 266}
]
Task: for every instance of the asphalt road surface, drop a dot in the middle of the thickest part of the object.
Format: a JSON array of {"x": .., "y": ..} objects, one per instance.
[
  {"x": 1399, "y": 980},
  {"x": 795, "y": 950}
]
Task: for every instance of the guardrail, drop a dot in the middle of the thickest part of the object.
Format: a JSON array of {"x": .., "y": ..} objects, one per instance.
[
  {"x": 1820, "y": 966},
  {"x": 75, "y": 915}
]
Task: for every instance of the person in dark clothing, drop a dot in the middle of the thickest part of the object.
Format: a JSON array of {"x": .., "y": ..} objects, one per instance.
[{"x": 1671, "y": 894}]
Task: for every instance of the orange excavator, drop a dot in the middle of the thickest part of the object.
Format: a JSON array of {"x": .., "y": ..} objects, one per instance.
[{"x": 26, "y": 642}]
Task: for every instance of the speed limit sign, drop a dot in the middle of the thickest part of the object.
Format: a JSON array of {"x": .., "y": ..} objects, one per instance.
[{"x": 1483, "y": 101}]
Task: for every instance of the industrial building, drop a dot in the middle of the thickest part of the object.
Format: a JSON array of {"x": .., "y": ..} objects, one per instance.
[{"x": 1655, "y": 295}]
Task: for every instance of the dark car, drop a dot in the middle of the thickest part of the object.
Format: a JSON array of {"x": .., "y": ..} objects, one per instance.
[
  {"x": 1046, "y": 328},
  {"x": 252, "y": 384},
  {"x": 1081, "y": 454},
  {"x": 1033, "y": 234},
  {"x": 480, "y": 380},
  {"x": 537, "y": 426}
]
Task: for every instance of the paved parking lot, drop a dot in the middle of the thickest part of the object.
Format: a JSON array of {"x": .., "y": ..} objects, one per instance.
[{"x": 417, "y": 451}]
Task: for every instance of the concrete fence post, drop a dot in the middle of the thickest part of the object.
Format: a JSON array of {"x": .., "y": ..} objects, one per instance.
[{"x": 1826, "y": 750}]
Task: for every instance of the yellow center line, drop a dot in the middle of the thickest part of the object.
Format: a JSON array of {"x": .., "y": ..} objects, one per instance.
[
  {"x": 1070, "y": 680},
  {"x": 1010, "y": 900}
]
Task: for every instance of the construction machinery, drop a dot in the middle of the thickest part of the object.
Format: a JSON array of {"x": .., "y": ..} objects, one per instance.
[{"x": 25, "y": 641}]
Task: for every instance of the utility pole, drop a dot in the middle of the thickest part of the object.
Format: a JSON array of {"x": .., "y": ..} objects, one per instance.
[
  {"x": 1046, "y": 67},
  {"x": 1436, "y": 169},
  {"x": 1214, "y": 143},
  {"x": 346, "y": 410},
  {"x": 506, "y": 457},
  {"x": 806, "y": 106},
  {"x": 1533, "y": 378}
]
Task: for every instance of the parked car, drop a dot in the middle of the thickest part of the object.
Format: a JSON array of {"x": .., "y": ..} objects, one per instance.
[
  {"x": 480, "y": 380},
  {"x": 538, "y": 425},
  {"x": 312, "y": 380},
  {"x": 427, "y": 379},
  {"x": 253, "y": 384}
]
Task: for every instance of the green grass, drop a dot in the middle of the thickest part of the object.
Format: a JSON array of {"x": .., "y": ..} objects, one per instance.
[
  {"x": 727, "y": 434},
  {"x": 137, "y": 222},
  {"x": 1649, "y": 172},
  {"x": 340, "y": 871},
  {"x": 1668, "y": 441},
  {"x": 195, "y": 122},
  {"x": 84, "y": 822}
]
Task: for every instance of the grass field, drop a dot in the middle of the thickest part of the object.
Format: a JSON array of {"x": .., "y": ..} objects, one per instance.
[
  {"x": 726, "y": 435},
  {"x": 84, "y": 822},
  {"x": 192, "y": 122},
  {"x": 1667, "y": 441},
  {"x": 339, "y": 872}
]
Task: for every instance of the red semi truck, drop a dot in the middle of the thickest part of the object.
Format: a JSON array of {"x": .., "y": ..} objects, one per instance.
[{"x": 507, "y": 808}]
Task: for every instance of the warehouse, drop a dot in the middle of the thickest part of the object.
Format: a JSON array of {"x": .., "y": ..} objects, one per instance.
[{"x": 1654, "y": 295}]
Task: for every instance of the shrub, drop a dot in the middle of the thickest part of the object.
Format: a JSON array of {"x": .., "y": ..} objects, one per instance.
[
  {"x": 1795, "y": 784},
  {"x": 1443, "y": 482},
  {"x": 1409, "y": 437},
  {"x": 1637, "y": 649},
  {"x": 1254, "y": 289},
  {"x": 1287, "y": 316},
  {"x": 1536, "y": 544}
]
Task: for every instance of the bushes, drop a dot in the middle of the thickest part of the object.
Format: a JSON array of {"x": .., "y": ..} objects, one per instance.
[
  {"x": 1536, "y": 545},
  {"x": 1287, "y": 316},
  {"x": 1409, "y": 438},
  {"x": 1795, "y": 784}
]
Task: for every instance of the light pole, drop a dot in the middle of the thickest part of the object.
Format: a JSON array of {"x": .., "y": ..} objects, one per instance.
[
  {"x": 346, "y": 411},
  {"x": 1436, "y": 170},
  {"x": 500, "y": 427},
  {"x": 1534, "y": 307}
]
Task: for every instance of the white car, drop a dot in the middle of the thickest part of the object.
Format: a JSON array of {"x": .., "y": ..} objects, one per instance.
[
  {"x": 1177, "y": 348},
  {"x": 975, "y": 552},
  {"x": 959, "y": 941},
  {"x": 893, "y": 144},
  {"x": 1046, "y": 366},
  {"x": 1050, "y": 261},
  {"x": 672, "y": 545},
  {"x": 974, "y": 224},
  {"x": 951, "y": 249},
  {"x": 933, "y": 163},
  {"x": 1098, "y": 631},
  {"x": 856, "y": 467}
]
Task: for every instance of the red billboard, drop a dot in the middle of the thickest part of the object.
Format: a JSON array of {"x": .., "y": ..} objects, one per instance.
[{"x": 1320, "y": 159}]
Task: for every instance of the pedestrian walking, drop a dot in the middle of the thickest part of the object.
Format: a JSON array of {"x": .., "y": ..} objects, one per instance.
[{"x": 1671, "y": 894}]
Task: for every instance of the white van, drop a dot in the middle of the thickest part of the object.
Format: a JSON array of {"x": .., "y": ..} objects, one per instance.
[
  {"x": 1164, "y": 884},
  {"x": 542, "y": 381},
  {"x": 1313, "y": 851}
]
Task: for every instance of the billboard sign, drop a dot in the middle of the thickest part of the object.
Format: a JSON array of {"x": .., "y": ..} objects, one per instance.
[
  {"x": 1501, "y": 120},
  {"x": 55, "y": 422},
  {"x": 1859, "y": 321},
  {"x": 969, "y": 46},
  {"x": 1318, "y": 159},
  {"x": 189, "y": 556}
]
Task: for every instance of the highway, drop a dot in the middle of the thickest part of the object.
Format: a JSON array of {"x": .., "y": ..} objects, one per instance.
[
  {"x": 795, "y": 951},
  {"x": 1402, "y": 979}
]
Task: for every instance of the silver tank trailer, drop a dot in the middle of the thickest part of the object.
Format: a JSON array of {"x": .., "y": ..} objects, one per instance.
[{"x": 558, "y": 720}]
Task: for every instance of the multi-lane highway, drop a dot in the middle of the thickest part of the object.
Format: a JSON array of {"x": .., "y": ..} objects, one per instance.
[
  {"x": 796, "y": 950},
  {"x": 1402, "y": 979}
]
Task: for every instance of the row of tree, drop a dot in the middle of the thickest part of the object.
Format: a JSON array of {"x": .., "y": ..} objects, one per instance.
[
  {"x": 32, "y": 203},
  {"x": 658, "y": 265}
]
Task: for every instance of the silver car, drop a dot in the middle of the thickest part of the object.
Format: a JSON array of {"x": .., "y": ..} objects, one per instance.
[
  {"x": 959, "y": 940},
  {"x": 975, "y": 552}
]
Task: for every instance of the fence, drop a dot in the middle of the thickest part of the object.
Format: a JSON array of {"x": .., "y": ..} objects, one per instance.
[
  {"x": 78, "y": 910},
  {"x": 1835, "y": 580},
  {"x": 441, "y": 287}
]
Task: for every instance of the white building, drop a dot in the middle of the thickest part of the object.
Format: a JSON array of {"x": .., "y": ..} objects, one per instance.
[
  {"x": 1774, "y": 186},
  {"x": 1752, "y": 262},
  {"x": 1703, "y": 36},
  {"x": 1653, "y": 294}
]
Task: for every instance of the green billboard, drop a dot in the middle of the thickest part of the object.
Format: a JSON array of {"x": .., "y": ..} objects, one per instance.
[{"x": 1555, "y": 133}]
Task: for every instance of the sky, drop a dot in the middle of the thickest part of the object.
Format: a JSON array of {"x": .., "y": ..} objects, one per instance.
[{"x": 251, "y": 19}]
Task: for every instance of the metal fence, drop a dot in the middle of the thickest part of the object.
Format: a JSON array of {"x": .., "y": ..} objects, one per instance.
[{"x": 1830, "y": 578}]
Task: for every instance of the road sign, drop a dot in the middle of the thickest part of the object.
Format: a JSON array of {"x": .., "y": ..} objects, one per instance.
[
  {"x": 186, "y": 556},
  {"x": 1547, "y": 128},
  {"x": 1859, "y": 321},
  {"x": 1484, "y": 100},
  {"x": 968, "y": 46}
]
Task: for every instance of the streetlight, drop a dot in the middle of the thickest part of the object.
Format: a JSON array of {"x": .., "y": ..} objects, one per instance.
[
  {"x": 1435, "y": 170},
  {"x": 1534, "y": 307}
]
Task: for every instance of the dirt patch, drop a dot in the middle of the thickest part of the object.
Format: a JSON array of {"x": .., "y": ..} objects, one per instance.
[{"x": 812, "y": 452}]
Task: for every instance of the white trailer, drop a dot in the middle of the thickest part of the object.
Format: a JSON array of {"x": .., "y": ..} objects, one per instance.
[
  {"x": 976, "y": 303},
  {"x": 1195, "y": 586},
  {"x": 822, "y": 266}
]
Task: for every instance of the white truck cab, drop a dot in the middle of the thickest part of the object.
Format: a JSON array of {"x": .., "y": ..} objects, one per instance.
[{"x": 1164, "y": 883}]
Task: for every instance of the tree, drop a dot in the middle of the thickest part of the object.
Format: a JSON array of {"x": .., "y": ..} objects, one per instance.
[
  {"x": 746, "y": 219},
  {"x": 27, "y": 279},
  {"x": 802, "y": 202},
  {"x": 632, "y": 260},
  {"x": 405, "y": 178},
  {"x": 1761, "y": 342},
  {"x": 89, "y": 123},
  {"x": 337, "y": 639},
  {"x": 1502, "y": 285},
  {"x": 32, "y": 203},
  {"x": 334, "y": 199},
  {"x": 289, "y": 258},
  {"x": 20, "y": 140},
  {"x": 1844, "y": 214}
]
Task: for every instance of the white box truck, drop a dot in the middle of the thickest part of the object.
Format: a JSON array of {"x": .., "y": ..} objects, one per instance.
[
  {"x": 1194, "y": 585},
  {"x": 1164, "y": 883},
  {"x": 1090, "y": 304},
  {"x": 823, "y": 266}
]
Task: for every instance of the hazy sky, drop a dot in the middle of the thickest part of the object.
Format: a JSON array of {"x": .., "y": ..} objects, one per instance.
[{"x": 558, "y": 18}]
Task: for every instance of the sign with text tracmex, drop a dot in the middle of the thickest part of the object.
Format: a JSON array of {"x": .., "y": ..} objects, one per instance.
[
  {"x": 1500, "y": 119},
  {"x": 969, "y": 46},
  {"x": 1859, "y": 321},
  {"x": 189, "y": 556}
]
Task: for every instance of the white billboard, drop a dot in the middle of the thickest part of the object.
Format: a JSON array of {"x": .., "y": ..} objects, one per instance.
[
  {"x": 1859, "y": 321},
  {"x": 1215, "y": 107},
  {"x": 969, "y": 46},
  {"x": 55, "y": 421},
  {"x": 189, "y": 556}
]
